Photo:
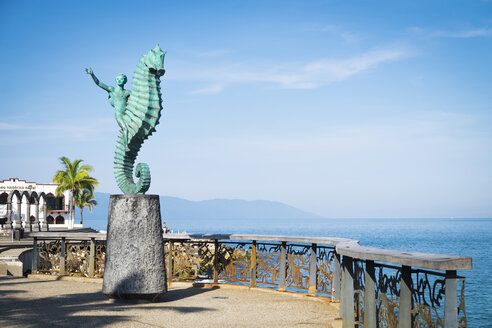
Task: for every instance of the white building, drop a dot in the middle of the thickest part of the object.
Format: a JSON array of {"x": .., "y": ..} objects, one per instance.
[{"x": 34, "y": 205}]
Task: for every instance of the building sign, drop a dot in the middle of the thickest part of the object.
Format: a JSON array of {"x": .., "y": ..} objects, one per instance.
[{"x": 28, "y": 187}]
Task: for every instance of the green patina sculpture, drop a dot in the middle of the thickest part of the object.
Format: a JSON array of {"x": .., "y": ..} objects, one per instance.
[{"x": 137, "y": 112}]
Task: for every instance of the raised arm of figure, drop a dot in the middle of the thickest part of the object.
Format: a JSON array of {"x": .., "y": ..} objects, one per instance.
[{"x": 97, "y": 82}]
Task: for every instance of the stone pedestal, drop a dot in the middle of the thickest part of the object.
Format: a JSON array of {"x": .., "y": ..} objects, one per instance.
[{"x": 135, "y": 267}]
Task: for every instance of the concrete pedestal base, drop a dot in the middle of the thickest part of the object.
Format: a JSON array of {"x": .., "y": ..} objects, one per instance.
[{"x": 135, "y": 267}]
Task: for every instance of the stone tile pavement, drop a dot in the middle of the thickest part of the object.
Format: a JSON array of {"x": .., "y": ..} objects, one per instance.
[{"x": 79, "y": 303}]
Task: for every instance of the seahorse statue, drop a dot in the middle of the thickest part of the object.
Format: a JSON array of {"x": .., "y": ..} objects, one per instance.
[{"x": 137, "y": 113}]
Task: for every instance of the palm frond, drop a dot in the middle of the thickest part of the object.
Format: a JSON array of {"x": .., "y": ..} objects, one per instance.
[{"x": 75, "y": 178}]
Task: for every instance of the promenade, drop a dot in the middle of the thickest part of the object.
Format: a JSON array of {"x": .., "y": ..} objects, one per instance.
[{"x": 76, "y": 303}]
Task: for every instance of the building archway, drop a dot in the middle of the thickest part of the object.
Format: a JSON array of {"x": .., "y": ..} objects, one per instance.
[
  {"x": 11, "y": 210},
  {"x": 27, "y": 195},
  {"x": 34, "y": 199},
  {"x": 13, "y": 193},
  {"x": 3, "y": 207},
  {"x": 3, "y": 198},
  {"x": 59, "y": 220}
]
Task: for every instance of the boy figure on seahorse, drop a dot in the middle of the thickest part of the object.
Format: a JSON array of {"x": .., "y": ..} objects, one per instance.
[{"x": 118, "y": 98}]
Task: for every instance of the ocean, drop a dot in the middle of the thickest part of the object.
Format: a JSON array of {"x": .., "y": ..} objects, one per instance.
[{"x": 464, "y": 237}]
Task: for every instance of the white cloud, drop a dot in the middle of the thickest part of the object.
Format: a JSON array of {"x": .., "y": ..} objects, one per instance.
[
  {"x": 336, "y": 30},
  {"x": 17, "y": 127},
  {"x": 208, "y": 90},
  {"x": 307, "y": 76},
  {"x": 349, "y": 37},
  {"x": 330, "y": 70},
  {"x": 88, "y": 129},
  {"x": 470, "y": 33},
  {"x": 479, "y": 32}
]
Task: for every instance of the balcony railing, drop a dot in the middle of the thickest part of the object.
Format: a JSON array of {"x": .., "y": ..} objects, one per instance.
[{"x": 375, "y": 287}]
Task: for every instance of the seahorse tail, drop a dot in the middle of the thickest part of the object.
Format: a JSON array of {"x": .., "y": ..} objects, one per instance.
[
  {"x": 123, "y": 167},
  {"x": 142, "y": 172}
]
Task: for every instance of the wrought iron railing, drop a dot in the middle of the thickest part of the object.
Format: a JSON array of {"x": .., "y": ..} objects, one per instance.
[{"x": 375, "y": 287}]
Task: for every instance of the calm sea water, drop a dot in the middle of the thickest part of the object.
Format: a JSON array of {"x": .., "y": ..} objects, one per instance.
[{"x": 465, "y": 237}]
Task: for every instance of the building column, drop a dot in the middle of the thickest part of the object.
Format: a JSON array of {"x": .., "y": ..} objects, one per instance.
[
  {"x": 18, "y": 222},
  {"x": 27, "y": 224},
  {"x": 36, "y": 217},
  {"x": 44, "y": 226},
  {"x": 8, "y": 224}
]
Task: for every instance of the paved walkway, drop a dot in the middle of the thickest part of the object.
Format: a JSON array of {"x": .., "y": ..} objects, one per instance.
[{"x": 40, "y": 303}]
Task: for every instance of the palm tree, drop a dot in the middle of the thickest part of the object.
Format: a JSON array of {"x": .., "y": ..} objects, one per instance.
[
  {"x": 74, "y": 177},
  {"x": 84, "y": 199}
]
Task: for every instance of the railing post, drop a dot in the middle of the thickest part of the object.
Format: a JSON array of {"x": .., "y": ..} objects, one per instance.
[
  {"x": 313, "y": 264},
  {"x": 282, "y": 267},
  {"x": 336, "y": 283},
  {"x": 92, "y": 258},
  {"x": 348, "y": 305},
  {"x": 405, "y": 310},
  {"x": 252, "y": 269},
  {"x": 170, "y": 263},
  {"x": 451, "y": 300},
  {"x": 34, "y": 265},
  {"x": 62, "y": 256},
  {"x": 216, "y": 262},
  {"x": 370, "y": 296}
]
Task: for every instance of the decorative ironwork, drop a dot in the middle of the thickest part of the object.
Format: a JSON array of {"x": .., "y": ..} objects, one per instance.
[
  {"x": 77, "y": 259},
  {"x": 324, "y": 277},
  {"x": 100, "y": 259},
  {"x": 49, "y": 257},
  {"x": 426, "y": 299},
  {"x": 192, "y": 259},
  {"x": 196, "y": 259},
  {"x": 237, "y": 262},
  {"x": 387, "y": 297},
  {"x": 267, "y": 263},
  {"x": 298, "y": 266}
]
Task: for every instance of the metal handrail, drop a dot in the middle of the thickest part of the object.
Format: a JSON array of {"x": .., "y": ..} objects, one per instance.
[
  {"x": 343, "y": 246},
  {"x": 353, "y": 280}
]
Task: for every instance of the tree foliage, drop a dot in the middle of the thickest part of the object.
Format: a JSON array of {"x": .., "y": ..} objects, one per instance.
[
  {"x": 74, "y": 178},
  {"x": 85, "y": 198}
]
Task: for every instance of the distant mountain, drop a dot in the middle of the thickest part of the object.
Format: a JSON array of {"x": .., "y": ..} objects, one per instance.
[
  {"x": 227, "y": 209},
  {"x": 177, "y": 208}
]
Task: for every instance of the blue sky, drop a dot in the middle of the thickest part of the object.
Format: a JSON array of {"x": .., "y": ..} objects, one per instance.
[{"x": 342, "y": 108}]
